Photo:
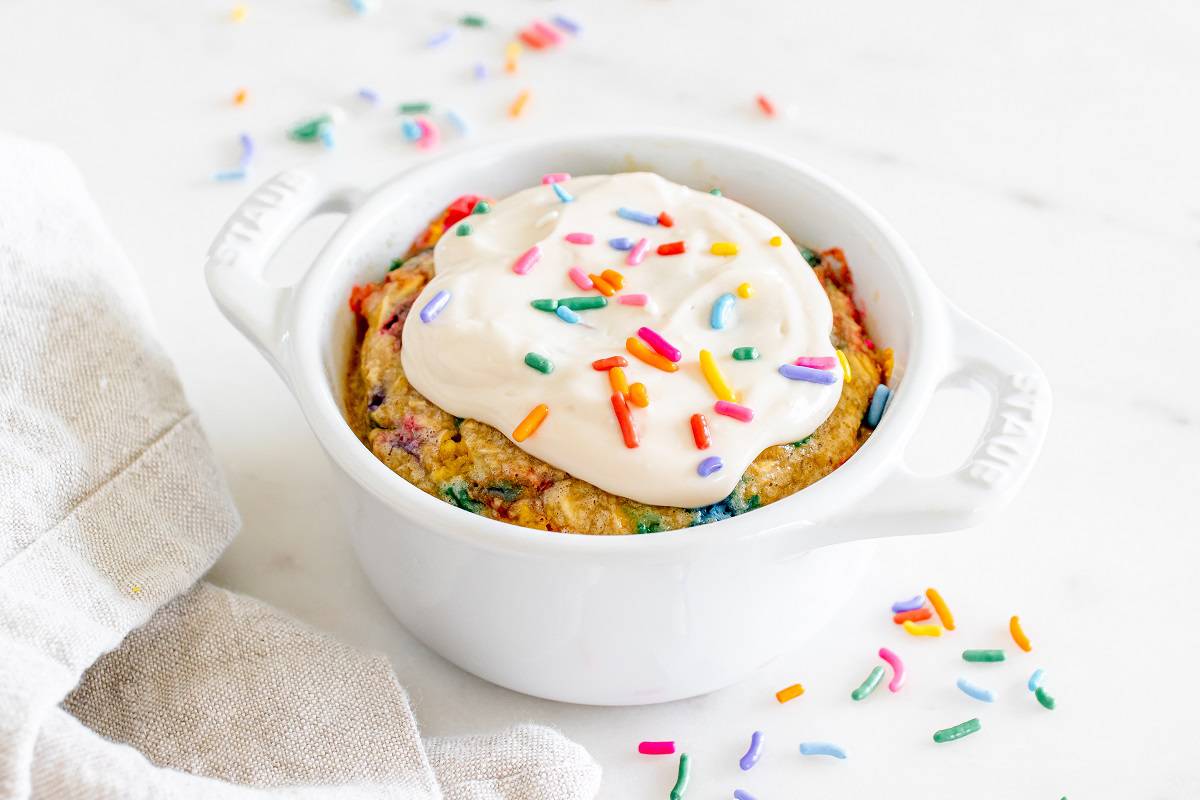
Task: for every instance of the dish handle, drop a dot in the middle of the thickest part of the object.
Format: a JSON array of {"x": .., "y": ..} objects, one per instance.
[
  {"x": 238, "y": 257},
  {"x": 907, "y": 502}
]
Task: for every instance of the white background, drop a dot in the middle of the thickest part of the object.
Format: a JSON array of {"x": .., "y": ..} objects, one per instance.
[{"x": 1040, "y": 157}]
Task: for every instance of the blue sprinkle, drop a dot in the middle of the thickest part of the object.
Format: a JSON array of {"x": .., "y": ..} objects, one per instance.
[
  {"x": 978, "y": 692},
  {"x": 911, "y": 604},
  {"x": 720, "y": 311},
  {"x": 230, "y": 175},
  {"x": 434, "y": 307},
  {"x": 1035, "y": 680},
  {"x": 709, "y": 465},
  {"x": 570, "y": 26},
  {"x": 878, "y": 404},
  {"x": 458, "y": 122},
  {"x": 821, "y": 749},
  {"x": 621, "y": 243},
  {"x": 566, "y": 315},
  {"x": 370, "y": 95},
  {"x": 739, "y": 794},
  {"x": 439, "y": 38},
  {"x": 325, "y": 134},
  {"x": 794, "y": 373},
  {"x": 562, "y": 193},
  {"x": 637, "y": 216},
  {"x": 247, "y": 150},
  {"x": 412, "y": 131},
  {"x": 359, "y": 6},
  {"x": 480, "y": 71}
]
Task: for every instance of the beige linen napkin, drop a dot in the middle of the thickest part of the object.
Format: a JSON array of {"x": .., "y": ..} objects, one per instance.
[{"x": 119, "y": 676}]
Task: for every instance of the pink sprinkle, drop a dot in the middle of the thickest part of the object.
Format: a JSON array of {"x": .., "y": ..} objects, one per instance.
[
  {"x": 738, "y": 412},
  {"x": 897, "y": 668},
  {"x": 555, "y": 177},
  {"x": 656, "y": 748},
  {"x": 638, "y": 253},
  {"x": 527, "y": 260},
  {"x": 547, "y": 33},
  {"x": 429, "y": 134},
  {"x": 660, "y": 345},
  {"x": 581, "y": 279},
  {"x": 580, "y": 238},
  {"x": 816, "y": 362},
  {"x": 634, "y": 299}
]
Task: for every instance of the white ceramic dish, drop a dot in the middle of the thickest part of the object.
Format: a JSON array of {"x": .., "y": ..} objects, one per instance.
[{"x": 628, "y": 619}]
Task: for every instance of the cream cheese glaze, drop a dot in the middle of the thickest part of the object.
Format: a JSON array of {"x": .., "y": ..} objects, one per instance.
[{"x": 470, "y": 359}]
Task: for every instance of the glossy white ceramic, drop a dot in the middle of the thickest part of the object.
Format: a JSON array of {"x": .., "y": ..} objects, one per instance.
[{"x": 628, "y": 619}]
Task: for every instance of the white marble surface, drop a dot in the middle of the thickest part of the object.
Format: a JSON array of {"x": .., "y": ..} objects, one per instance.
[{"x": 1041, "y": 159}]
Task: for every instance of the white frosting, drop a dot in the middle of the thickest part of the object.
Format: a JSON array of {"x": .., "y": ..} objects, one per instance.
[{"x": 470, "y": 359}]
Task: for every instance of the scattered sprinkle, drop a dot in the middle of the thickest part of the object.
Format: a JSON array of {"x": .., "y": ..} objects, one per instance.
[
  {"x": 715, "y": 192},
  {"x": 230, "y": 175},
  {"x": 544, "y": 304},
  {"x": 547, "y": 33},
  {"x": 533, "y": 420},
  {"x": 555, "y": 177},
  {"x": 463, "y": 230},
  {"x": 978, "y": 692},
  {"x": 637, "y": 216},
  {"x": 986, "y": 656},
  {"x": 310, "y": 130},
  {"x": 666, "y": 220},
  {"x": 580, "y": 278},
  {"x": 458, "y": 122},
  {"x": 482, "y": 207},
  {"x": 430, "y": 135},
  {"x": 1045, "y": 699},
  {"x": 724, "y": 249},
  {"x": 518, "y": 105},
  {"x": 656, "y": 748},
  {"x": 539, "y": 362},
  {"x": 897, "y": 666},
  {"x": 739, "y": 412},
  {"x": 418, "y": 107},
  {"x": 435, "y": 306},
  {"x": 879, "y": 402},
  {"x": 681, "y": 782},
  {"x": 641, "y": 351},
  {"x": 939, "y": 605},
  {"x": 721, "y": 307},
  {"x": 745, "y": 291},
  {"x": 567, "y": 315},
  {"x": 614, "y": 278},
  {"x": 621, "y": 243},
  {"x": 825, "y": 362},
  {"x": 582, "y": 303},
  {"x": 700, "y": 431},
  {"x": 709, "y": 465},
  {"x": 916, "y": 601},
  {"x": 527, "y": 259},
  {"x": 479, "y": 70},
  {"x": 766, "y": 105},
  {"x": 794, "y": 373},
  {"x": 921, "y": 630},
  {"x": 472, "y": 21},
  {"x": 566, "y": 24},
  {"x": 602, "y": 364},
  {"x": 916, "y": 615},
  {"x": 238, "y": 13},
  {"x": 821, "y": 749},
  {"x": 638, "y": 395},
  {"x": 636, "y": 299},
  {"x": 411, "y": 130},
  {"x": 845, "y": 362},
  {"x": 660, "y": 345},
  {"x": 671, "y": 249},
  {"x": 753, "y": 753},
  {"x": 775, "y": 241},
  {"x": 624, "y": 420},
  {"x": 637, "y": 253},
  {"x": 1035, "y": 680},
  {"x": 562, "y": 193},
  {"x": 790, "y": 693},
  {"x": 1018, "y": 635},
  {"x": 745, "y": 354},
  {"x": 580, "y": 238},
  {"x": 716, "y": 381},
  {"x": 957, "y": 731},
  {"x": 742, "y": 794},
  {"x": 370, "y": 95},
  {"x": 867, "y": 686},
  {"x": 601, "y": 285},
  {"x": 440, "y": 38},
  {"x": 511, "y": 52},
  {"x": 812, "y": 258},
  {"x": 239, "y": 97},
  {"x": 618, "y": 381}
]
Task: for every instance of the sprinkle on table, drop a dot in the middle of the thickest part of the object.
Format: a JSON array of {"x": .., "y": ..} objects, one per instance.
[
  {"x": 821, "y": 749},
  {"x": 539, "y": 362},
  {"x": 745, "y": 354},
  {"x": 642, "y": 351},
  {"x": 1018, "y": 635},
  {"x": 916, "y": 601},
  {"x": 753, "y": 752},
  {"x": 415, "y": 107},
  {"x": 637, "y": 216},
  {"x": 435, "y": 306},
  {"x": 1035, "y": 679},
  {"x": 568, "y": 25},
  {"x": 512, "y": 52},
  {"x": 977, "y": 692},
  {"x": 656, "y": 748},
  {"x": 681, "y": 780},
  {"x": 916, "y": 615},
  {"x": 700, "y": 431},
  {"x": 724, "y": 249},
  {"x": 898, "y": 671},
  {"x": 239, "y": 97},
  {"x": 479, "y": 70},
  {"x": 957, "y": 731},
  {"x": 790, "y": 693},
  {"x": 766, "y": 105},
  {"x": 533, "y": 420},
  {"x": 983, "y": 656},
  {"x": 238, "y": 13},
  {"x": 472, "y": 21},
  {"x": 914, "y": 629},
  {"x": 1044, "y": 698},
  {"x": 458, "y": 122},
  {"x": 709, "y": 465},
  {"x": 440, "y": 38},
  {"x": 867, "y": 686},
  {"x": 939, "y": 605},
  {"x": 716, "y": 381},
  {"x": 518, "y": 105}
]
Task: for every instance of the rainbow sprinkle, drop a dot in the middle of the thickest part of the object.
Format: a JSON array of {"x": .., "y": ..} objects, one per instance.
[
  {"x": 580, "y": 238},
  {"x": 660, "y": 345},
  {"x": 709, "y": 465},
  {"x": 637, "y": 253},
  {"x": 734, "y": 410},
  {"x": 527, "y": 259},
  {"x": 435, "y": 306},
  {"x": 580, "y": 278},
  {"x": 716, "y": 381},
  {"x": 637, "y": 216},
  {"x": 567, "y": 315},
  {"x": 794, "y": 373},
  {"x": 719, "y": 317},
  {"x": 562, "y": 193},
  {"x": 636, "y": 299},
  {"x": 621, "y": 243}
]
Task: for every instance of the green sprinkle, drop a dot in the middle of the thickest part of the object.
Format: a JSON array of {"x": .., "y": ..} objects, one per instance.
[
  {"x": 983, "y": 655},
  {"x": 482, "y": 207},
  {"x": 868, "y": 685},
  {"x": 648, "y": 523},
  {"x": 957, "y": 732},
  {"x": 463, "y": 230},
  {"x": 539, "y": 362},
  {"x": 458, "y": 495},
  {"x": 544, "y": 304},
  {"x": 507, "y": 491},
  {"x": 812, "y": 258},
  {"x": 681, "y": 782},
  {"x": 472, "y": 21},
  {"x": 715, "y": 192},
  {"x": 1046, "y": 700},
  {"x": 745, "y": 354},
  {"x": 583, "y": 303},
  {"x": 309, "y": 131},
  {"x": 397, "y": 263},
  {"x": 414, "y": 108}
]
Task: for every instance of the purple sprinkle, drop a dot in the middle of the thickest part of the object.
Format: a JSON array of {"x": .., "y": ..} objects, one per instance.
[
  {"x": 570, "y": 26},
  {"x": 370, "y": 95},
  {"x": 753, "y": 752},
  {"x": 794, "y": 373},
  {"x": 247, "y": 150},
  {"x": 621, "y": 243},
  {"x": 440, "y": 38},
  {"x": 911, "y": 604},
  {"x": 742, "y": 794},
  {"x": 709, "y": 465},
  {"x": 480, "y": 71},
  {"x": 434, "y": 307}
]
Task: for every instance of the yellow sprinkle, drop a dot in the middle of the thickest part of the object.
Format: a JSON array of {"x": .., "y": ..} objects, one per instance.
[
  {"x": 889, "y": 363},
  {"x": 745, "y": 291},
  {"x": 640, "y": 350},
  {"x": 638, "y": 395},
  {"x": 921, "y": 630},
  {"x": 518, "y": 105},
  {"x": 239, "y": 97},
  {"x": 716, "y": 381},
  {"x": 511, "y": 52},
  {"x": 775, "y": 241},
  {"x": 238, "y": 14},
  {"x": 790, "y": 693},
  {"x": 135, "y": 589},
  {"x": 616, "y": 379},
  {"x": 531, "y": 422},
  {"x": 724, "y": 249},
  {"x": 845, "y": 362}
]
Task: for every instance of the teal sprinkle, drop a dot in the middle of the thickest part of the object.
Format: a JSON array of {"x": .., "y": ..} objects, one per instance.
[
  {"x": 648, "y": 523},
  {"x": 812, "y": 258},
  {"x": 457, "y": 493},
  {"x": 463, "y": 230},
  {"x": 715, "y": 192},
  {"x": 482, "y": 207}
]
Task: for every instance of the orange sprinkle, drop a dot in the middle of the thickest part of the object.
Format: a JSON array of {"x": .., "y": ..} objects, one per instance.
[
  {"x": 518, "y": 105},
  {"x": 641, "y": 351},
  {"x": 602, "y": 364},
  {"x": 790, "y": 693},
  {"x": 939, "y": 605},
  {"x": 531, "y": 423},
  {"x": 621, "y": 409},
  {"x": 616, "y": 379},
  {"x": 239, "y": 97},
  {"x": 602, "y": 286},
  {"x": 1014, "y": 627},
  {"x": 638, "y": 395},
  {"x": 511, "y": 53},
  {"x": 916, "y": 615},
  {"x": 766, "y": 105},
  {"x": 616, "y": 279}
]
